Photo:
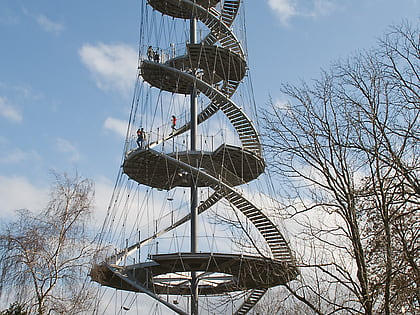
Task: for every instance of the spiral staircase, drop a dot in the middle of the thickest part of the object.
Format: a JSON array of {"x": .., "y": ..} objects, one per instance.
[{"x": 214, "y": 67}]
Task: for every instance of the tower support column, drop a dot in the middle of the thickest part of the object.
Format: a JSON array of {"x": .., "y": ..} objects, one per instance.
[{"x": 194, "y": 188}]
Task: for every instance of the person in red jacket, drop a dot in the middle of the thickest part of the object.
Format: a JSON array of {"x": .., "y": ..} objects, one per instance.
[{"x": 173, "y": 121}]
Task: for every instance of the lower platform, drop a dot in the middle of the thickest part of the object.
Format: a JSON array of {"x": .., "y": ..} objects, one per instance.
[{"x": 218, "y": 273}]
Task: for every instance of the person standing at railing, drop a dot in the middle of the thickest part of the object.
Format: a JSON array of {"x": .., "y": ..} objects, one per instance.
[
  {"x": 156, "y": 56},
  {"x": 150, "y": 53},
  {"x": 141, "y": 137},
  {"x": 173, "y": 121}
]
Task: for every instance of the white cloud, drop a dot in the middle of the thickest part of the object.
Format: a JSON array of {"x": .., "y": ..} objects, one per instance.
[
  {"x": 48, "y": 25},
  {"x": 65, "y": 146},
  {"x": 116, "y": 125},
  {"x": 18, "y": 193},
  {"x": 286, "y": 9},
  {"x": 9, "y": 111},
  {"x": 281, "y": 104},
  {"x": 17, "y": 156},
  {"x": 103, "y": 192},
  {"x": 113, "y": 66},
  {"x": 322, "y": 7}
]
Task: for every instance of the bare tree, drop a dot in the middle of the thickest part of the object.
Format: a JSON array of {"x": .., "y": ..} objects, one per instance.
[
  {"x": 44, "y": 258},
  {"x": 347, "y": 149},
  {"x": 14, "y": 309}
]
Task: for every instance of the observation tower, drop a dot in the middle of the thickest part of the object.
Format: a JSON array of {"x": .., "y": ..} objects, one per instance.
[{"x": 187, "y": 224}]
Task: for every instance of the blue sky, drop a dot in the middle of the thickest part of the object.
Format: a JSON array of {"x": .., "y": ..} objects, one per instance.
[{"x": 67, "y": 72}]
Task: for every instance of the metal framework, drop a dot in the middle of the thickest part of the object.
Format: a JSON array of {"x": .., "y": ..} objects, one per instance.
[{"x": 214, "y": 67}]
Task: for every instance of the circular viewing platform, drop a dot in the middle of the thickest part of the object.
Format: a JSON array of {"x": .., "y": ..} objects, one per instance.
[
  {"x": 215, "y": 64},
  {"x": 169, "y": 273},
  {"x": 231, "y": 164},
  {"x": 180, "y": 9}
]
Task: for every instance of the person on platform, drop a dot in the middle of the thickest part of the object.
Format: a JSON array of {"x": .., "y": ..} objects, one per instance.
[
  {"x": 173, "y": 121},
  {"x": 156, "y": 56},
  {"x": 141, "y": 137},
  {"x": 150, "y": 53}
]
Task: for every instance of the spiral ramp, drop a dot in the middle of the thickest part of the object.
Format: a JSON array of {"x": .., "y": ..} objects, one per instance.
[{"x": 215, "y": 67}]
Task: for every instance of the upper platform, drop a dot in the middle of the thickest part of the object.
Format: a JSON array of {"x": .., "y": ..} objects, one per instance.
[
  {"x": 231, "y": 164},
  {"x": 180, "y": 9},
  {"x": 217, "y": 63},
  {"x": 211, "y": 63}
]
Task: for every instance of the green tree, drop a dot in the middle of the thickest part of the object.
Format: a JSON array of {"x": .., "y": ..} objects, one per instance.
[{"x": 44, "y": 257}]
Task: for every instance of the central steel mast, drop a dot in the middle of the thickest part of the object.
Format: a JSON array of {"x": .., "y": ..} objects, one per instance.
[{"x": 194, "y": 189}]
